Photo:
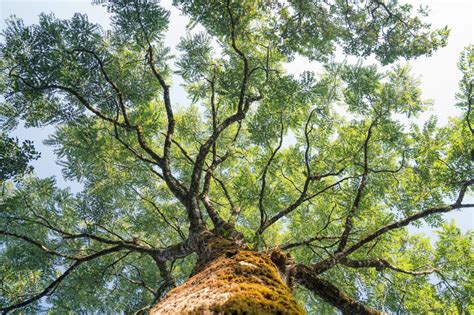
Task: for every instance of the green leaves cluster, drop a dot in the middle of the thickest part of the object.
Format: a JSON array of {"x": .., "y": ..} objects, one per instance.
[{"x": 14, "y": 158}]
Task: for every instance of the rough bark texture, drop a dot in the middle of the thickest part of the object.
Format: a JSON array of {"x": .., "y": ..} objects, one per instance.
[{"x": 238, "y": 281}]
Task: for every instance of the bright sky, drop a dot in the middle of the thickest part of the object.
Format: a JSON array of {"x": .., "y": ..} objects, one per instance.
[{"x": 438, "y": 74}]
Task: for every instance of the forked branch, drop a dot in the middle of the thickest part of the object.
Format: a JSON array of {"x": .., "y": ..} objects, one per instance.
[{"x": 330, "y": 262}]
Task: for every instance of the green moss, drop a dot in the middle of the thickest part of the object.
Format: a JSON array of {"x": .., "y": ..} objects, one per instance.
[
  {"x": 231, "y": 281},
  {"x": 257, "y": 287},
  {"x": 211, "y": 248}
]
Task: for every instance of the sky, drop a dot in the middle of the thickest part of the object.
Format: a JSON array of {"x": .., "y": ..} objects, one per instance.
[{"x": 438, "y": 74}]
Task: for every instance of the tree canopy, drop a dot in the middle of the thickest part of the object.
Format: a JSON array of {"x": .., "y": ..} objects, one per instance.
[{"x": 325, "y": 166}]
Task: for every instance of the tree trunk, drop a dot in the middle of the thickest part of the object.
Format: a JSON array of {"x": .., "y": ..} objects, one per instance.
[{"x": 229, "y": 279}]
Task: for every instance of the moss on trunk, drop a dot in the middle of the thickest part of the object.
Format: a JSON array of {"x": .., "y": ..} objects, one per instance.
[{"x": 236, "y": 282}]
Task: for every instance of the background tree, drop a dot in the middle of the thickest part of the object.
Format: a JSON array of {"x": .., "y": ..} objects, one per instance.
[{"x": 213, "y": 190}]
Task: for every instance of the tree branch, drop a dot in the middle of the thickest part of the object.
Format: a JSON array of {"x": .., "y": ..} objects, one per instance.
[
  {"x": 58, "y": 280},
  {"x": 162, "y": 215},
  {"x": 242, "y": 109},
  {"x": 381, "y": 264},
  {"x": 307, "y": 277},
  {"x": 39, "y": 245},
  {"x": 172, "y": 252},
  {"x": 263, "y": 213},
  {"x": 360, "y": 189},
  {"x": 302, "y": 198},
  {"x": 334, "y": 260}
]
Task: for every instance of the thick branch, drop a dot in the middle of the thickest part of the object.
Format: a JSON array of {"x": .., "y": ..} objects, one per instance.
[
  {"x": 168, "y": 279},
  {"x": 212, "y": 212},
  {"x": 306, "y": 276},
  {"x": 166, "y": 96},
  {"x": 168, "y": 108},
  {"x": 173, "y": 184},
  {"x": 243, "y": 86}
]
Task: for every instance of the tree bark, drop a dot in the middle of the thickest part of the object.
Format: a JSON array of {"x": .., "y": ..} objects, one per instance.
[{"x": 229, "y": 279}]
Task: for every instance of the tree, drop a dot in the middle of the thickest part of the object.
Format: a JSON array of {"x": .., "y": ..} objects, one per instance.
[{"x": 207, "y": 207}]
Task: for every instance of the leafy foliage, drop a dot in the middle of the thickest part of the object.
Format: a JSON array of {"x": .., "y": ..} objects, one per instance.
[
  {"x": 323, "y": 165},
  {"x": 14, "y": 158}
]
